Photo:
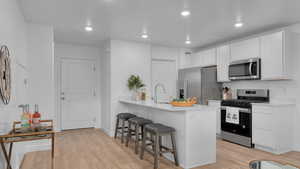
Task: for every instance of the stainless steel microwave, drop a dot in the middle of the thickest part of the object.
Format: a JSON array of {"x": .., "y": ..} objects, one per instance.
[{"x": 248, "y": 69}]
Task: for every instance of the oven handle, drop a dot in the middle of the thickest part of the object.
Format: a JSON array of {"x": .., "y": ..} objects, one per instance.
[
  {"x": 250, "y": 68},
  {"x": 241, "y": 110}
]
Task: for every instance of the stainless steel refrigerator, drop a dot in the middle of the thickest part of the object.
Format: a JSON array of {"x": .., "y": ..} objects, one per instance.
[{"x": 199, "y": 82}]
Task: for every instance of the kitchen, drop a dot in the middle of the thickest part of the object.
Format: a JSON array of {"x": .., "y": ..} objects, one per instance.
[
  {"x": 212, "y": 92},
  {"x": 250, "y": 77}
]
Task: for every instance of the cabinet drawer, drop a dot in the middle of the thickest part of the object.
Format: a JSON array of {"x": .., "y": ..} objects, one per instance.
[
  {"x": 263, "y": 138},
  {"x": 262, "y": 109},
  {"x": 262, "y": 121}
]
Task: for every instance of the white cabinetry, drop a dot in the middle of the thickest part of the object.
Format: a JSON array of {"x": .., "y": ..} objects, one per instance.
[
  {"x": 184, "y": 58},
  {"x": 223, "y": 60},
  {"x": 277, "y": 51},
  {"x": 245, "y": 49},
  {"x": 271, "y": 130},
  {"x": 216, "y": 105},
  {"x": 203, "y": 58}
]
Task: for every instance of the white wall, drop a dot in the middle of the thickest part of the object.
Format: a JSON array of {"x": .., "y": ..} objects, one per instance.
[
  {"x": 13, "y": 34},
  {"x": 127, "y": 58},
  {"x": 41, "y": 69},
  {"x": 105, "y": 75},
  {"x": 73, "y": 51}
]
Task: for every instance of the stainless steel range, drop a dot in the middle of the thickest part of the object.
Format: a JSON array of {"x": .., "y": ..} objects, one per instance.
[{"x": 236, "y": 115}]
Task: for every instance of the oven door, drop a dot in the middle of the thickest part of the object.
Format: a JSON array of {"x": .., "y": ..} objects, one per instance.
[
  {"x": 244, "y": 128},
  {"x": 245, "y": 69}
]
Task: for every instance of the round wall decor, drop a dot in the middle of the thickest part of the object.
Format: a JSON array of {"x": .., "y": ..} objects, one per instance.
[{"x": 5, "y": 74}]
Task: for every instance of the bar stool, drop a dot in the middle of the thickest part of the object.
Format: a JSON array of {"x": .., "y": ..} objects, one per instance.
[
  {"x": 138, "y": 123},
  {"x": 157, "y": 130},
  {"x": 124, "y": 117}
]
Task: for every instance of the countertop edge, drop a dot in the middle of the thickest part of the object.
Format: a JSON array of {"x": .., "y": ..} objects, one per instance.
[{"x": 154, "y": 106}]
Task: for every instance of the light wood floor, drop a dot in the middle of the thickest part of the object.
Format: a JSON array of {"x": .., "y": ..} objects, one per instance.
[{"x": 92, "y": 149}]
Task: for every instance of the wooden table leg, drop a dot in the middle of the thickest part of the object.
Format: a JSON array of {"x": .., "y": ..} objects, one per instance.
[
  {"x": 52, "y": 154},
  {"x": 6, "y": 156},
  {"x": 10, "y": 151}
]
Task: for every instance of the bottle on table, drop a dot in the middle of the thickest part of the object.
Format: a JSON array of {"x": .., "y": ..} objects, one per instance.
[
  {"x": 25, "y": 117},
  {"x": 36, "y": 117}
]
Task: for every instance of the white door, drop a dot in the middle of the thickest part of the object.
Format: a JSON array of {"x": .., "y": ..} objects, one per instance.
[
  {"x": 164, "y": 72},
  {"x": 78, "y": 93}
]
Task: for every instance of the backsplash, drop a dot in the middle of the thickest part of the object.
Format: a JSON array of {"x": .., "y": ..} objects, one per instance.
[{"x": 280, "y": 91}]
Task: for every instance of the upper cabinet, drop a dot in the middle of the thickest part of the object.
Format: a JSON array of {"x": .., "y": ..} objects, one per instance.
[
  {"x": 203, "y": 58},
  {"x": 223, "y": 60},
  {"x": 245, "y": 49},
  {"x": 277, "y": 52}
]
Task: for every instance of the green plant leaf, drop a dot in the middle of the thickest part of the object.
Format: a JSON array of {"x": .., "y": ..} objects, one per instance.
[{"x": 134, "y": 82}]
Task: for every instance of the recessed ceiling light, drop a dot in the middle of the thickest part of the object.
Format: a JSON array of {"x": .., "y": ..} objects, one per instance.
[
  {"x": 145, "y": 36},
  {"x": 188, "y": 42},
  {"x": 88, "y": 28},
  {"x": 185, "y": 13},
  {"x": 238, "y": 24}
]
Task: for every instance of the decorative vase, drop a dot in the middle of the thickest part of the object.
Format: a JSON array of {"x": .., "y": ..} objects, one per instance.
[{"x": 135, "y": 95}]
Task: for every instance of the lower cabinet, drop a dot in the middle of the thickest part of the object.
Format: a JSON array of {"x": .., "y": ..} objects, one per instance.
[
  {"x": 217, "y": 106},
  {"x": 272, "y": 127}
]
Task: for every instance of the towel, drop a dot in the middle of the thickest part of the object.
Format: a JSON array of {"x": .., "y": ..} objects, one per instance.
[{"x": 232, "y": 115}]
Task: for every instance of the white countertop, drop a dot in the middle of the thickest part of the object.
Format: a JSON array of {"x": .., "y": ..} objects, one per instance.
[
  {"x": 166, "y": 107},
  {"x": 273, "y": 104}
]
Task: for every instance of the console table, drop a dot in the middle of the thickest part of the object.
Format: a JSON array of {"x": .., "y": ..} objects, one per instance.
[{"x": 18, "y": 134}]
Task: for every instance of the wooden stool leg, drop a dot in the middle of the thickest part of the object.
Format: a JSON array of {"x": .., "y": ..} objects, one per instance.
[
  {"x": 123, "y": 131},
  {"x": 52, "y": 155},
  {"x": 152, "y": 142},
  {"x": 128, "y": 137},
  {"x": 6, "y": 156},
  {"x": 143, "y": 144},
  {"x": 136, "y": 139},
  {"x": 174, "y": 148},
  {"x": 117, "y": 126},
  {"x": 160, "y": 145},
  {"x": 156, "y": 151}
]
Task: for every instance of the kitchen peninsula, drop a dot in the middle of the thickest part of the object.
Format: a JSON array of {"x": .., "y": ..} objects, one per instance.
[{"x": 195, "y": 129}]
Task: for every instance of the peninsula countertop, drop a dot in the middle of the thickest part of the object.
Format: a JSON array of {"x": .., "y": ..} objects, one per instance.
[{"x": 162, "y": 106}]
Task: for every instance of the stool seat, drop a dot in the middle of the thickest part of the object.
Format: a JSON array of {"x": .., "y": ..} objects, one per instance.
[
  {"x": 139, "y": 121},
  {"x": 159, "y": 128},
  {"x": 125, "y": 116}
]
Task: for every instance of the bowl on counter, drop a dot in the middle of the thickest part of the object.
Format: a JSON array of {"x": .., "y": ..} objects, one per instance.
[{"x": 184, "y": 102}]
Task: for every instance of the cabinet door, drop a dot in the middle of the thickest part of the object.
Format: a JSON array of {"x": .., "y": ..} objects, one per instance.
[
  {"x": 223, "y": 60},
  {"x": 208, "y": 57},
  {"x": 196, "y": 59},
  {"x": 245, "y": 49},
  {"x": 217, "y": 107},
  {"x": 204, "y": 58},
  {"x": 184, "y": 58},
  {"x": 272, "y": 56}
]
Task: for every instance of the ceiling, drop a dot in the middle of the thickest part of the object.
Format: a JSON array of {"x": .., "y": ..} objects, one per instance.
[{"x": 210, "y": 22}]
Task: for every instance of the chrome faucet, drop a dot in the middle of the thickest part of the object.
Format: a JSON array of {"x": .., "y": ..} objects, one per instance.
[{"x": 155, "y": 90}]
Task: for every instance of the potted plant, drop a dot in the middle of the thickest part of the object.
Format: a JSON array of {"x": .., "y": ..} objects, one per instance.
[{"x": 134, "y": 83}]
